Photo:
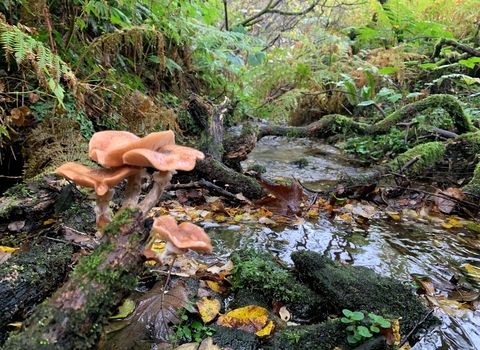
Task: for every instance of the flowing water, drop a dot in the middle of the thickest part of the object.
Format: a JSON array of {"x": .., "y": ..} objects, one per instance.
[{"x": 396, "y": 248}]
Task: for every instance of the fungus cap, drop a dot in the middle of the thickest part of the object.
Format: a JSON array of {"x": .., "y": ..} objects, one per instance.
[
  {"x": 184, "y": 236},
  {"x": 167, "y": 158},
  {"x": 100, "y": 179},
  {"x": 108, "y": 147},
  {"x": 103, "y": 142}
]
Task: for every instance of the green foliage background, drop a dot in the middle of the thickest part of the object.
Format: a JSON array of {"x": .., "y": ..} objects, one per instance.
[{"x": 133, "y": 65}]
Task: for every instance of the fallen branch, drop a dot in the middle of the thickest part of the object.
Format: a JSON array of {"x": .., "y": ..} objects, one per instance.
[{"x": 206, "y": 184}]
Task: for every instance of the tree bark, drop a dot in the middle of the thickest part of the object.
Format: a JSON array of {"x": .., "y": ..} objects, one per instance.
[
  {"x": 227, "y": 178},
  {"x": 223, "y": 156}
]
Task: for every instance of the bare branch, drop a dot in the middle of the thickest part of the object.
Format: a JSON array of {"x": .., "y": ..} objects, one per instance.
[{"x": 270, "y": 8}]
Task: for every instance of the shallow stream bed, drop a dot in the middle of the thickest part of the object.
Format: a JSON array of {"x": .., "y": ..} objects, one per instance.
[{"x": 399, "y": 248}]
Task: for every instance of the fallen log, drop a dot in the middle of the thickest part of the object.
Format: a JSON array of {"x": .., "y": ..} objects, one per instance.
[
  {"x": 336, "y": 123},
  {"x": 29, "y": 277},
  {"x": 73, "y": 317}
]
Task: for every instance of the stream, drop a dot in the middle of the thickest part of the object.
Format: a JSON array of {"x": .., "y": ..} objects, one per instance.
[{"x": 397, "y": 248}]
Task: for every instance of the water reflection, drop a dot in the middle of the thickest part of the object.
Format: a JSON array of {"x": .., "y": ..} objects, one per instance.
[{"x": 393, "y": 249}]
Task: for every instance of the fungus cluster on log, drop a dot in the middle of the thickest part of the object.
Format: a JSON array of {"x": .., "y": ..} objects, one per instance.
[{"x": 124, "y": 155}]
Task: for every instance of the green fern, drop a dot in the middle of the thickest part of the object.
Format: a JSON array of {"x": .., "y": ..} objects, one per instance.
[
  {"x": 31, "y": 54},
  {"x": 55, "y": 141}
]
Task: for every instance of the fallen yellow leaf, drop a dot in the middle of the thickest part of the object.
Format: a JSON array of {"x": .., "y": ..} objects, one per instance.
[
  {"x": 7, "y": 249},
  {"x": 208, "y": 308},
  {"x": 214, "y": 286},
  {"x": 266, "y": 330},
  {"x": 250, "y": 318},
  {"x": 472, "y": 271},
  {"x": 125, "y": 309},
  {"x": 48, "y": 222}
]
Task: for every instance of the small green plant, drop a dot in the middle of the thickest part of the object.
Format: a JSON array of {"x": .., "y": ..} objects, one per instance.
[
  {"x": 258, "y": 168},
  {"x": 300, "y": 162},
  {"x": 189, "y": 330},
  {"x": 360, "y": 329}
]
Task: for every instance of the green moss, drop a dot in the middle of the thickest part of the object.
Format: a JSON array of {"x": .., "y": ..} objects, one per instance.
[
  {"x": 473, "y": 187},
  {"x": 359, "y": 288},
  {"x": 430, "y": 153},
  {"x": 258, "y": 273},
  {"x": 325, "y": 336},
  {"x": 472, "y": 138},
  {"x": 122, "y": 219},
  {"x": 340, "y": 123}
]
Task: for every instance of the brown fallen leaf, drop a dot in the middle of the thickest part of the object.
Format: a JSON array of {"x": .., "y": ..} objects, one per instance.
[
  {"x": 445, "y": 204},
  {"x": 287, "y": 200},
  {"x": 153, "y": 317}
]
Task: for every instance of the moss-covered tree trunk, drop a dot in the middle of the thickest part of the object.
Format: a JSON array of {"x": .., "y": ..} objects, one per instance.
[
  {"x": 223, "y": 154},
  {"x": 73, "y": 317}
]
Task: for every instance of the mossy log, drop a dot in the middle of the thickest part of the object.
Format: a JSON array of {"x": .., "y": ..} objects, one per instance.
[
  {"x": 335, "y": 123},
  {"x": 324, "y": 287},
  {"x": 73, "y": 317},
  {"x": 26, "y": 210},
  {"x": 231, "y": 180},
  {"x": 360, "y": 288},
  {"x": 29, "y": 277}
]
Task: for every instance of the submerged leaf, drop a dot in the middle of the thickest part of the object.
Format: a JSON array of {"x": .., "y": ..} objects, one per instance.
[
  {"x": 288, "y": 200},
  {"x": 153, "y": 318}
]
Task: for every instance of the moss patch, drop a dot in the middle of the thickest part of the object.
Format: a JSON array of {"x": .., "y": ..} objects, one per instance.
[
  {"x": 430, "y": 153},
  {"x": 256, "y": 272}
]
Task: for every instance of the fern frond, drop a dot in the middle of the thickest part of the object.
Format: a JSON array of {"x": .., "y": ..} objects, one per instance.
[
  {"x": 53, "y": 142},
  {"x": 112, "y": 43},
  {"x": 31, "y": 54}
]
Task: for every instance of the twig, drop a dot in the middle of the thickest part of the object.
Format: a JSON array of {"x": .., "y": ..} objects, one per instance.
[
  {"x": 226, "y": 14},
  {"x": 410, "y": 163},
  {"x": 206, "y": 184},
  {"x": 62, "y": 241},
  {"x": 445, "y": 133},
  {"x": 404, "y": 340},
  {"x": 407, "y": 126},
  {"x": 49, "y": 27}
]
